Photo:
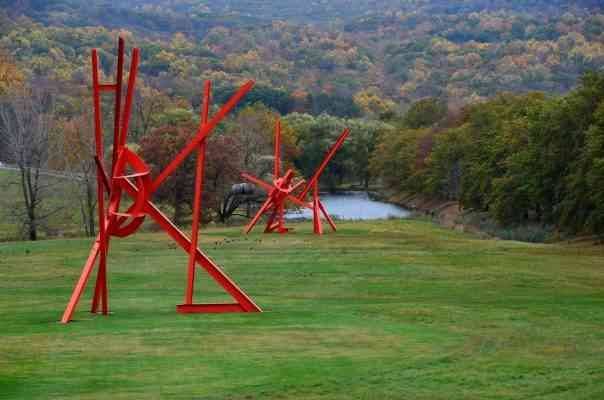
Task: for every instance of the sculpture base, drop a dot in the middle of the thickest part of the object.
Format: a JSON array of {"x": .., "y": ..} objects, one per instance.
[{"x": 209, "y": 308}]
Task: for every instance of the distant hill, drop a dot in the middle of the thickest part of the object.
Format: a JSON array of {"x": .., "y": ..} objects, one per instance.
[
  {"x": 322, "y": 53},
  {"x": 162, "y": 14}
]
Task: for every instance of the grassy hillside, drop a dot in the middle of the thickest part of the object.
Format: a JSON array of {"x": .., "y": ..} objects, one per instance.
[
  {"x": 60, "y": 203},
  {"x": 392, "y": 309}
]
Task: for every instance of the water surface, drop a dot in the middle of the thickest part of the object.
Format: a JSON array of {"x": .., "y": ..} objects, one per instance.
[{"x": 351, "y": 206}]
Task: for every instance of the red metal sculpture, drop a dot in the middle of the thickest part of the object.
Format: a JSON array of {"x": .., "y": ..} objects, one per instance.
[
  {"x": 140, "y": 186},
  {"x": 282, "y": 190}
]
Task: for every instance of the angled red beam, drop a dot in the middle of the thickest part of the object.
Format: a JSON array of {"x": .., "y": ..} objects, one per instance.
[
  {"x": 123, "y": 132},
  {"x": 267, "y": 187},
  {"x": 316, "y": 218},
  {"x": 277, "y": 164},
  {"x": 332, "y": 152},
  {"x": 199, "y": 172},
  {"x": 103, "y": 174},
  {"x": 327, "y": 216},
  {"x": 265, "y": 206},
  {"x": 201, "y": 134},
  {"x": 81, "y": 284},
  {"x": 117, "y": 108}
]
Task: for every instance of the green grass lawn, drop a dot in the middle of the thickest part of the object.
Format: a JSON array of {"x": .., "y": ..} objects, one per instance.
[{"x": 396, "y": 309}]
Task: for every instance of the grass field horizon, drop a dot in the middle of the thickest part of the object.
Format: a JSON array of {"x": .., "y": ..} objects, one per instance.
[{"x": 393, "y": 309}]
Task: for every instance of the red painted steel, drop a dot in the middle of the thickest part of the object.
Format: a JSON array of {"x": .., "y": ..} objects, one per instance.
[
  {"x": 139, "y": 186},
  {"x": 100, "y": 290},
  {"x": 117, "y": 108},
  {"x": 330, "y": 154},
  {"x": 209, "y": 308},
  {"x": 199, "y": 170},
  {"x": 282, "y": 190}
]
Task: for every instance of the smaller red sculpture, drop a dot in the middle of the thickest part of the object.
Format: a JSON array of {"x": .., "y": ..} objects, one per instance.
[{"x": 281, "y": 190}]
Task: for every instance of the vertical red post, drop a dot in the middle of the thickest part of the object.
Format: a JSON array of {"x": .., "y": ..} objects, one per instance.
[
  {"x": 101, "y": 284},
  {"x": 116, "y": 194},
  {"x": 118, "y": 101},
  {"x": 199, "y": 172},
  {"x": 279, "y": 212},
  {"x": 316, "y": 216},
  {"x": 277, "y": 163}
]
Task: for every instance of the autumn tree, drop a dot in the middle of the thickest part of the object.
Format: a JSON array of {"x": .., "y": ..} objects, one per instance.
[
  {"x": 11, "y": 79},
  {"x": 253, "y": 127},
  {"x": 159, "y": 148},
  {"x": 10, "y": 75},
  {"x": 223, "y": 166},
  {"x": 74, "y": 155},
  {"x": 149, "y": 105},
  {"x": 373, "y": 105}
]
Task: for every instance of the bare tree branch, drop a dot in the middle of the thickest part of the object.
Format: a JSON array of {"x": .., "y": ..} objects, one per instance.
[{"x": 25, "y": 125}]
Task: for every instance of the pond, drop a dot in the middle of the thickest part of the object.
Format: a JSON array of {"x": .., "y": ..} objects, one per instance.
[{"x": 351, "y": 206}]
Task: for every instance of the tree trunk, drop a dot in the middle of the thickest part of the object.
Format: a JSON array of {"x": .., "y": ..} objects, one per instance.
[
  {"x": 30, "y": 202},
  {"x": 177, "y": 205},
  {"x": 90, "y": 203},
  {"x": 33, "y": 233}
]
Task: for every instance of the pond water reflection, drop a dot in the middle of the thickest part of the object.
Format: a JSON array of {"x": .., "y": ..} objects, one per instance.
[{"x": 351, "y": 206}]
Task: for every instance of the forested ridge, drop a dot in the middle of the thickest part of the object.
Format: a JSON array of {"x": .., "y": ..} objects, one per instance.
[
  {"x": 495, "y": 104},
  {"x": 462, "y": 53}
]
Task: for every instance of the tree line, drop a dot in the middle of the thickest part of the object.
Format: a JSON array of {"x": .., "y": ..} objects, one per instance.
[
  {"x": 459, "y": 53},
  {"x": 528, "y": 158}
]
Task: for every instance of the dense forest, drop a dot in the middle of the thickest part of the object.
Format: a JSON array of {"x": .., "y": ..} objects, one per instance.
[{"x": 495, "y": 104}]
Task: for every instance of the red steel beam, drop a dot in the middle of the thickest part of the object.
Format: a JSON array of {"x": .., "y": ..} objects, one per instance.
[
  {"x": 277, "y": 163},
  {"x": 332, "y": 152},
  {"x": 101, "y": 284},
  {"x": 123, "y": 133},
  {"x": 209, "y": 308},
  {"x": 117, "y": 109},
  {"x": 199, "y": 172},
  {"x": 81, "y": 284}
]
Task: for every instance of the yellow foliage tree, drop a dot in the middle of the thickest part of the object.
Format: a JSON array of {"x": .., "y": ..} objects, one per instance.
[
  {"x": 10, "y": 76},
  {"x": 372, "y": 104}
]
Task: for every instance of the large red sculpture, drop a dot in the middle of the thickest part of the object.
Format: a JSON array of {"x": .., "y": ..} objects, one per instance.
[
  {"x": 140, "y": 186},
  {"x": 282, "y": 190}
]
